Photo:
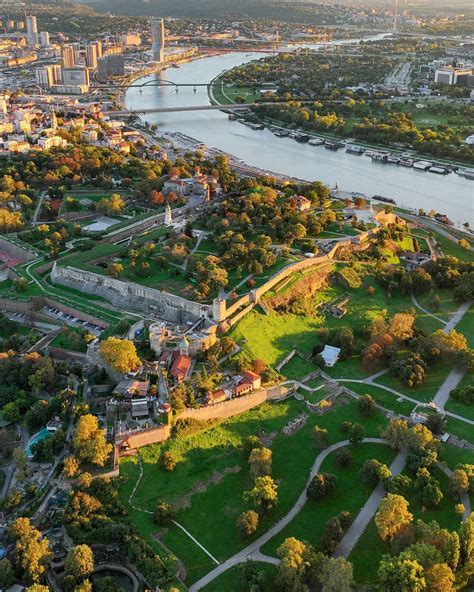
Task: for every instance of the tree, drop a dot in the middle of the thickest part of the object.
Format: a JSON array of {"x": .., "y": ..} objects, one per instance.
[
  {"x": 119, "y": 354},
  {"x": 71, "y": 466},
  {"x": 79, "y": 562},
  {"x": 373, "y": 471},
  {"x": 260, "y": 461},
  {"x": 332, "y": 535},
  {"x": 400, "y": 575},
  {"x": 247, "y": 523},
  {"x": 399, "y": 484},
  {"x": 168, "y": 461},
  {"x": 251, "y": 442},
  {"x": 264, "y": 493},
  {"x": 252, "y": 578},
  {"x": 356, "y": 434},
  {"x": 367, "y": 405},
  {"x": 38, "y": 588},
  {"x": 321, "y": 485},
  {"x": 115, "y": 269},
  {"x": 7, "y": 575},
  {"x": 163, "y": 514},
  {"x": 320, "y": 437},
  {"x": 31, "y": 551},
  {"x": 459, "y": 482},
  {"x": 466, "y": 540},
  {"x": 401, "y": 326},
  {"x": 343, "y": 457},
  {"x": 89, "y": 443},
  {"x": 292, "y": 566},
  {"x": 440, "y": 578},
  {"x": 396, "y": 433},
  {"x": 337, "y": 575},
  {"x": 464, "y": 244},
  {"x": 431, "y": 494},
  {"x": 111, "y": 206},
  {"x": 392, "y": 516}
]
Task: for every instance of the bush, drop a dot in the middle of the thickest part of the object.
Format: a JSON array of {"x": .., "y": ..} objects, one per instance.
[
  {"x": 163, "y": 514},
  {"x": 321, "y": 486},
  {"x": 168, "y": 461},
  {"x": 367, "y": 406},
  {"x": 464, "y": 394},
  {"x": 343, "y": 457}
]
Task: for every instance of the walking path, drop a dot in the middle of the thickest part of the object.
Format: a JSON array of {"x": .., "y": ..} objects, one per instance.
[
  {"x": 357, "y": 528},
  {"x": 38, "y": 207},
  {"x": 427, "y": 312},
  {"x": 457, "y": 316},
  {"x": 451, "y": 382},
  {"x": 252, "y": 551},
  {"x": 465, "y": 499},
  {"x": 135, "y": 487}
]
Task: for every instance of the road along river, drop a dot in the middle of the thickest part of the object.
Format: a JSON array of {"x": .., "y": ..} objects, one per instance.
[{"x": 450, "y": 194}]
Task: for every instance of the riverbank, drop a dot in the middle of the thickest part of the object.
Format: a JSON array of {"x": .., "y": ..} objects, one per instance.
[{"x": 218, "y": 96}]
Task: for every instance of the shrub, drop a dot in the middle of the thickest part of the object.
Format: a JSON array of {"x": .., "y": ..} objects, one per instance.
[
  {"x": 247, "y": 523},
  {"x": 343, "y": 457},
  {"x": 321, "y": 486},
  {"x": 168, "y": 461}
]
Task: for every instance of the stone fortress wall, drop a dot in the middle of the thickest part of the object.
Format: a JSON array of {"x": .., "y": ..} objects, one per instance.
[
  {"x": 128, "y": 295},
  {"x": 176, "y": 309}
]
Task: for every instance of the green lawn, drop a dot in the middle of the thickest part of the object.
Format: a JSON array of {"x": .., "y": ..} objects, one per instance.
[
  {"x": 350, "y": 495},
  {"x": 435, "y": 377},
  {"x": 231, "y": 580},
  {"x": 271, "y": 337},
  {"x": 447, "y": 303},
  {"x": 450, "y": 247},
  {"x": 297, "y": 368},
  {"x": 461, "y": 408},
  {"x": 466, "y": 326},
  {"x": 383, "y": 397},
  {"x": 199, "y": 477},
  {"x": 64, "y": 340}
]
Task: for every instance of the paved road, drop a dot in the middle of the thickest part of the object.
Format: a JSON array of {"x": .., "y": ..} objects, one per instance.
[
  {"x": 451, "y": 382},
  {"x": 38, "y": 207},
  {"x": 427, "y": 312},
  {"x": 367, "y": 512},
  {"x": 457, "y": 316},
  {"x": 252, "y": 550}
]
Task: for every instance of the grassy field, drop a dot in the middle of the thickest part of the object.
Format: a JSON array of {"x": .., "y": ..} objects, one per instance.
[
  {"x": 227, "y": 95},
  {"x": 350, "y": 495},
  {"x": 435, "y": 377},
  {"x": 231, "y": 580},
  {"x": 271, "y": 337},
  {"x": 382, "y": 397},
  {"x": 213, "y": 473},
  {"x": 64, "y": 340},
  {"x": 458, "y": 407}
]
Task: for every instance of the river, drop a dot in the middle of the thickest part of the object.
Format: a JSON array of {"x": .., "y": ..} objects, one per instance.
[{"x": 451, "y": 194}]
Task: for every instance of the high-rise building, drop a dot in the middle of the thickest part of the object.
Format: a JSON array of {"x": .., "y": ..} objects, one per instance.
[
  {"x": 44, "y": 38},
  {"x": 91, "y": 56},
  {"x": 32, "y": 31},
  {"x": 110, "y": 65},
  {"x": 158, "y": 39},
  {"x": 78, "y": 76},
  {"x": 48, "y": 75},
  {"x": 69, "y": 56}
]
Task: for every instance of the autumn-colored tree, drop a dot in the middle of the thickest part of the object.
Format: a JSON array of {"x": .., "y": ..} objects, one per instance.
[
  {"x": 89, "y": 441},
  {"x": 320, "y": 437},
  {"x": 337, "y": 575},
  {"x": 80, "y": 562},
  {"x": 10, "y": 220},
  {"x": 459, "y": 481},
  {"x": 400, "y": 575},
  {"x": 112, "y": 206},
  {"x": 396, "y": 433},
  {"x": 119, "y": 354},
  {"x": 31, "y": 549},
  {"x": 115, "y": 269},
  {"x": 392, "y": 516},
  {"x": 247, "y": 523},
  {"x": 401, "y": 326},
  {"x": 263, "y": 494},
  {"x": 71, "y": 466},
  {"x": 168, "y": 461},
  {"x": 260, "y": 461},
  {"x": 157, "y": 198}
]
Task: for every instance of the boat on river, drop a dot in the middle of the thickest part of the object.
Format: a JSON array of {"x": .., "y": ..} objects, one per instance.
[
  {"x": 405, "y": 162},
  {"x": 354, "y": 149},
  {"x": 384, "y": 199},
  {"x": 380, "y": 156},
  {"x": 422, "y": 165},
  {"x": 333, "y": 144},
  {"x": 439, "y": 170},
  {"x": 316, "y": 142},
  {"x": 303, "y": 138}
]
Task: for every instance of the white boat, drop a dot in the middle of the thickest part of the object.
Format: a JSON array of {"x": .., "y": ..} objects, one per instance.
[
  {"x": 422, "y": 165},
  {"x": 440, "y": 170},
  {"x": 316, "y": 142}
]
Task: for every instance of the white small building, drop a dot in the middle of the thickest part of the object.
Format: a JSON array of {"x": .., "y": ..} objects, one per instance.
[{"x": 330, "y": 355}]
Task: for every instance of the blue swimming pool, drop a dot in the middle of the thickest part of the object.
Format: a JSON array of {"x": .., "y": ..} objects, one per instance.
[{"x": 41, "y": 435}]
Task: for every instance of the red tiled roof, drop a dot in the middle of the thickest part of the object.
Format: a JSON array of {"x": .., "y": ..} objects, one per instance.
[{"x": 180, "y": 368}]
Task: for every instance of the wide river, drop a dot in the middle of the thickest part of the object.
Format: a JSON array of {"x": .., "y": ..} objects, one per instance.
[{"x": 450, "y": 194}]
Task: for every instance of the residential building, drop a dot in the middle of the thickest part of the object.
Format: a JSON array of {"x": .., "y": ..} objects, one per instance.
[
  {"x": 158, "y": 39},
  {"x": 302, "y": 203},
  {"x": 131, "y": 39},
  {"x": 216, "y": 397},
  {"x": 180, "y": 368},
  {"x": 451, "y": 75},
  {"x": 44, "y": 38},
  {"x": 32, "y": 31},
  {"x": 69, "y": 56},
  {"x": 91, "y": 56},
  {"x": 131, "y": 388},
  {"x": 77, "y": 76}
]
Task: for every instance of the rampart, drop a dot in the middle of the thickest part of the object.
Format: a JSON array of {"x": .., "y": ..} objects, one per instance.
[
  {"x": 15, "y": 251},
  {"x": 128, "y": 295}
]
